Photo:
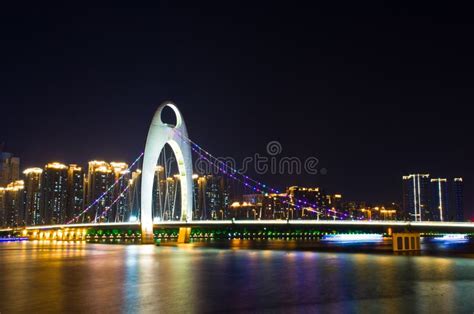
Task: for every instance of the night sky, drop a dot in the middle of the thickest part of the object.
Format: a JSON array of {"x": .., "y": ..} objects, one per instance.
[{"x": 374, "y": 92}]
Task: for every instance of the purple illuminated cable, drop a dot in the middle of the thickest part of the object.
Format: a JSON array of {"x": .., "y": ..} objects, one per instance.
[
  {"x": 105, "y": 193},
  {"x": 225, "y": 165}
]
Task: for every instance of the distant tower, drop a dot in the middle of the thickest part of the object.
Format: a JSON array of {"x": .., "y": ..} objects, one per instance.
[
  {"x": 458, "y": 201},
  {"x": 439, "y": 200},
  {"x": 9, "y": 169},
  {"x": 416, "y": 197},
  {"x": 13, "y": 209},
  {"x": 119, "y": 210},
  {"x": 100, "y": 177},
  {"x": 212, "y": 197},
  {"x": 313, "y": 196},
  {"x": 159, "y": 193},
  {"x": 54, "y": 193},
  {"x": 75, "y": 191},
  {"x": 133, "y": 212},
  {"x": 2, "y": 206},
  {"x": 32, "y": 178}
]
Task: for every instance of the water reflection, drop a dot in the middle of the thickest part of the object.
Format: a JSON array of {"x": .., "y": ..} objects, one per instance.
[{"x": 48, "y": 276}]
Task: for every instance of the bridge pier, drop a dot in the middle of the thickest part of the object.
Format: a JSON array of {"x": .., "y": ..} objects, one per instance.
[
  {"x": 184, "y": 235},
  {"x": 406, "y": 242},
  {"x": 147, "y": 234}
]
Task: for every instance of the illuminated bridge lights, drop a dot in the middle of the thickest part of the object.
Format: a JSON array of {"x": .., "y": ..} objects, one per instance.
[{"x": 245, "y": 229}]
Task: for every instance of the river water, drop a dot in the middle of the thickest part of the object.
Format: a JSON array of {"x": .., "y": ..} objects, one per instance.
[{"x": 237, "y": 276}]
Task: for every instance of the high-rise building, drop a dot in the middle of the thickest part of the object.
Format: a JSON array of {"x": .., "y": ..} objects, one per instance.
[
  {"x": 439, "y": 209},
  {"x": 159, "y": 193},
  {"x": 75, "y": 191},
  {"x": 13, "y": 204},
  {"x": 252, "y": 207},
  {"x": 2, "y": 207},
  {"x": 120, "y": 208},
  {"x": 133, "y": 212},
  {"x": 100, "y": 177},
  {"x": 416, "y": 197},
  {"x": 172, "y": 198},
  {"x": 335, "y": 202},
  {"x": 306, "y": 202},
  {"x": 213, "y": 196},
  {"x": 32, "y": 179},
  {"x": 276, "y": 206},
  {"x": 54, "y": 193},
  {"x": 457, "y": 199},
  {"x": 9, "y": 168},
  {"x": 199, "y": 187}
]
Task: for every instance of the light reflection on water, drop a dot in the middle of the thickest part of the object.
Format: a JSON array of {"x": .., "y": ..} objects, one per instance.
[{"x": 276, "y": 277}]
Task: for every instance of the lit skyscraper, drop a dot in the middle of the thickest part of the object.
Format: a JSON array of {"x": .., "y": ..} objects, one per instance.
[
  {"x": 133, "y": 212},
  {"x": 13, "y": 209},
  {"x": 216, "y": 199},
  {"x": 334, "y": 201},
  {"x": 199, "y": 203},
  {"x": 313, "y": 196},
  {"x": 416, "y": 197},
  {"x": 211, "y": 197},
  {"x": 32, "y": 179},
  {"x": 100, "y": 177},
  {"x": 9, "y": 169},
  {"x": 439, "y": 200},
  {"x": 119, "y": 210},
  {"x": 159, "y": 193},
  {"x": 2, "y": 206},
  {"x": 457, "y": 199},
  {"x": 54, "y": 193},
  {"x": 275, "y": 206},
  {"x": 75, "y": 191},
  {"x": 172, "y": 197}
]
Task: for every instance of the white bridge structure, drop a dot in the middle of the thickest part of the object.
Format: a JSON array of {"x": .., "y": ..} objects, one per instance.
[{"x": 160, "y": 134}]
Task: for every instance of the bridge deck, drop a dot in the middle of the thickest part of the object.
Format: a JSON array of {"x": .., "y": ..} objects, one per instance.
[{"x": 428, "y": 225}]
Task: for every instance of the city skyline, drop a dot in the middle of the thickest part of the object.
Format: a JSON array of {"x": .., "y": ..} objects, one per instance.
[
  {"x": 58, "y": 193},
  {"x": 465, "y": 213}
]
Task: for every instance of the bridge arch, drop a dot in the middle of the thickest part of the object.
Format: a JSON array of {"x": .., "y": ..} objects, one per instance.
[{"x": 160, "y": 134}]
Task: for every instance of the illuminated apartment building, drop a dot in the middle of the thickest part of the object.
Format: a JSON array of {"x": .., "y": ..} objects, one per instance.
[
  {"x": 54, "y": 194},
  {"x": 439, "y": 208},
  {"x": 457, "y": 199},
  {"x": 75, "y": 191},
  {"x": 33, "y": 180},
  {"x": 416, "y": 197},
  {"x": 100, "y": 178},
  {"x": 12, "y": 198},
  {"x": 119, "y": 210}
]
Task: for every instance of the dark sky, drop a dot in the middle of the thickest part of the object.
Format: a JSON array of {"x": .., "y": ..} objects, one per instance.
[{"x": 374, "y": 92}]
